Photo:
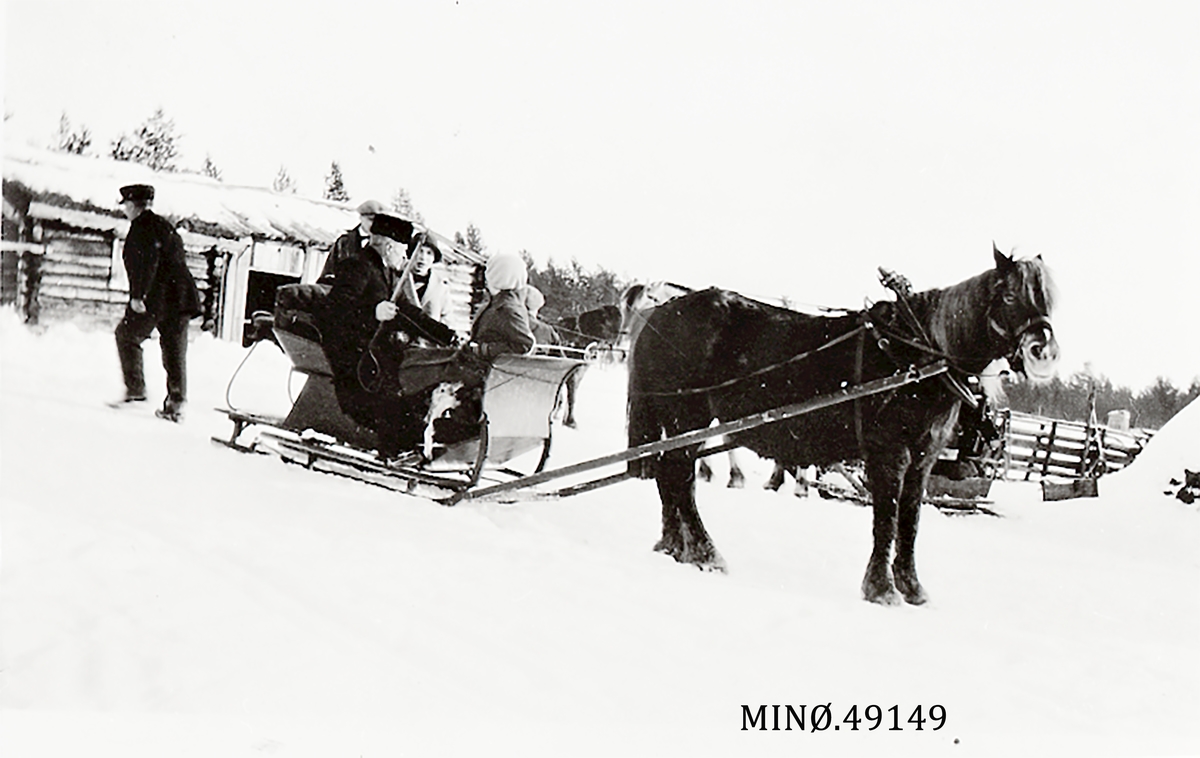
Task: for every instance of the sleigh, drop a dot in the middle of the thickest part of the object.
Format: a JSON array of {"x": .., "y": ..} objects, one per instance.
[{"x": 519, "y": 396}]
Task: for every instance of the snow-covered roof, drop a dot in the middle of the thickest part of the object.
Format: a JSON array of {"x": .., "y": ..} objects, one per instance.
[{"x": 86, "y": 189}]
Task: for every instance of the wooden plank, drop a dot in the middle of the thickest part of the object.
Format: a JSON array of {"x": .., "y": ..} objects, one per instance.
[
  {"x": 37, "y": 248},
  {"x": 82, "y": 294}
]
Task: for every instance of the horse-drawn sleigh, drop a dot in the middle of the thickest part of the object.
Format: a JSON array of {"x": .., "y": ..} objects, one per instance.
[{"x": 883, "y": 385}]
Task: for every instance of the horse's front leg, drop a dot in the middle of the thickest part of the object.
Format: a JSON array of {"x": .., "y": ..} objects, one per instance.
[
  {"x": 684, "y": 537},
  {"x": 904, "y": 567},
  {"x": 885, "y": 475}
]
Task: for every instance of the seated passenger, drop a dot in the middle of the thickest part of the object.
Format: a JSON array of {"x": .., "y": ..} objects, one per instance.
[
  {"x": 359, "y": 325},
  {"x": 503, "y": 326},
  {"x": 543, "y": 333},
  {"x": 427, "y": 287}
]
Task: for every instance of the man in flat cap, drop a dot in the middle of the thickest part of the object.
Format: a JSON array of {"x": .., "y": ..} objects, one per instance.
[
  {"x": 162, "y": 295},
  {"x": 350, "y": 244}
]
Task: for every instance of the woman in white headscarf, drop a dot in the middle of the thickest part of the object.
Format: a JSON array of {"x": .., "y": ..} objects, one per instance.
[{"x": 503, "y": 327}]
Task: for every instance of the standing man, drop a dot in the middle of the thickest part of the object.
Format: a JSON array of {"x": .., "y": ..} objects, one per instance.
[
  {"x": 162, "y": 295},
  {"x": 352, "y": 242}
]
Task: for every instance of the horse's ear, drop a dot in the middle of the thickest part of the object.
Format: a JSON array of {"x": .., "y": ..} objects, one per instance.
[{"x": 1002, "y": 261}]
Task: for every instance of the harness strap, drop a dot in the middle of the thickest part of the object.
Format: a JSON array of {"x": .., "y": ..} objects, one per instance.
[
  {"x": 858, "y": 370},
  {"x": 898, "y": 284},
  {"x": 759, "y": 372}
]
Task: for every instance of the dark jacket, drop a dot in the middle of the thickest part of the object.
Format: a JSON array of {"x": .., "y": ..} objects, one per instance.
[
  {"x": 349, "y": 245},
  {"x": 503, "y": 327},
  {"x": 359, "y": 282},
  {"x": 156, "y": 264}
]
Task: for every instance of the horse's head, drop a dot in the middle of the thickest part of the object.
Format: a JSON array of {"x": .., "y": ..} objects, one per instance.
[
  {"x": 629, "y": 304},
  {"x": 638, "y": 300},
  {"x": 1019, "y": 315}
]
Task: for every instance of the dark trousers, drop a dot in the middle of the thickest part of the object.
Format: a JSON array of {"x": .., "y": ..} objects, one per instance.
[
  {"x": 135, "y": 329},
  {"x": 398, "y": 422}
]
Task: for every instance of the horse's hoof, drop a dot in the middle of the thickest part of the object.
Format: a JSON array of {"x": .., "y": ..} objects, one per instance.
[
  {"x": 913, "y": 595},
  {"x": 878, "y": 587},
  {"x": 714, "y": 563},
  {"x": 909, "y": 586},
  {"x": 569, "y": 423},
  {"x": 889, "y": 597},
  {"x": 669, "y": 548},
  {"x": 736, "y": 482}
]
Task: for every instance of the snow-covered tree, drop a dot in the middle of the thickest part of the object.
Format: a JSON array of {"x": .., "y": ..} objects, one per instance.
[
  {"x": 284, "y": 182},
  {"x": 69, "y": 140},
  {"x": 335, "y": 186},
  {"x": 210, "y": 169},
  {"x": 475, "y": 239},
  {"x": 403, "y": 205},
  {"x": 154, "y": 143}
]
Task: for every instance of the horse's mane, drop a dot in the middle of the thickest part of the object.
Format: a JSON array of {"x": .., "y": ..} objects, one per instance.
[{"x": 958, "y": 310}]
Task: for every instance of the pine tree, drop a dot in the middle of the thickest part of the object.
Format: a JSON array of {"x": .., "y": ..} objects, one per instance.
[
  {"x": 335, "y": 187},
  {"x": 284, "y": 182},
  {"x": 210, "y": 169},
  {"x": 154, "y": 143},
  {"x": 69, "y": 140},
  {"x": 475, "y": 239},
  {"x": 403, "y": 205}
]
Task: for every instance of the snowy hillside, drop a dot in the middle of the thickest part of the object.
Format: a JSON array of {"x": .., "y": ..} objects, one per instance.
[{"x": 164, "y": 596}]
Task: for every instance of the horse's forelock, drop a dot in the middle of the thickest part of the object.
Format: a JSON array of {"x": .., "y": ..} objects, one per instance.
[
  {"x": 1038, "y": 284},
  {"x": 631, "y": 295}
]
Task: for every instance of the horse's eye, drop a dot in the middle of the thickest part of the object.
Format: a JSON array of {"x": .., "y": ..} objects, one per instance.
[{"x": 1009, "y": 298}]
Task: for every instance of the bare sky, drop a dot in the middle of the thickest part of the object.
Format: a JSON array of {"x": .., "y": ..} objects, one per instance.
[{"x": 776, "y": 148}]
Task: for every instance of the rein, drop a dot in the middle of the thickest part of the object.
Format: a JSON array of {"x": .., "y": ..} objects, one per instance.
[{"x": 758, "y": 372}]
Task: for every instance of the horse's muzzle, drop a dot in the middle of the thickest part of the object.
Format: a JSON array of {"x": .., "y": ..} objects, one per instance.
[{"x": 1037, "y": 352}]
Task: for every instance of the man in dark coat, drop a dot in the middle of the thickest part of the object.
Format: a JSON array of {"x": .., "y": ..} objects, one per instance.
[
  {"x": 364, "y": 334},
  {"x": 162, "y": 295},
  {"x": 352, "y": 241}
]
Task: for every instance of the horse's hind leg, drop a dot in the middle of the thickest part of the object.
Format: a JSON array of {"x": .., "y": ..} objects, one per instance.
[
  {"x": 776, "y": 480},
  {"x": 737, "y": 480},
  {"x": 904, "y": 567}
]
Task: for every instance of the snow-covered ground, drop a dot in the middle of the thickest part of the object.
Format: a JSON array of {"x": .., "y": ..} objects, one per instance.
[{"x": 164, "y": 596}]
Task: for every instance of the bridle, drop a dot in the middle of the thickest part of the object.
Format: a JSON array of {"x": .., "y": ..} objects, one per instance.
[{"x": 1012, "y": 337}]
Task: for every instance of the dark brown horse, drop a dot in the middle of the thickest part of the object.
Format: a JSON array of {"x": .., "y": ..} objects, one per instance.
[
  {"x": 597, "y": 325},
  {"x": 717, "y": 354}
]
